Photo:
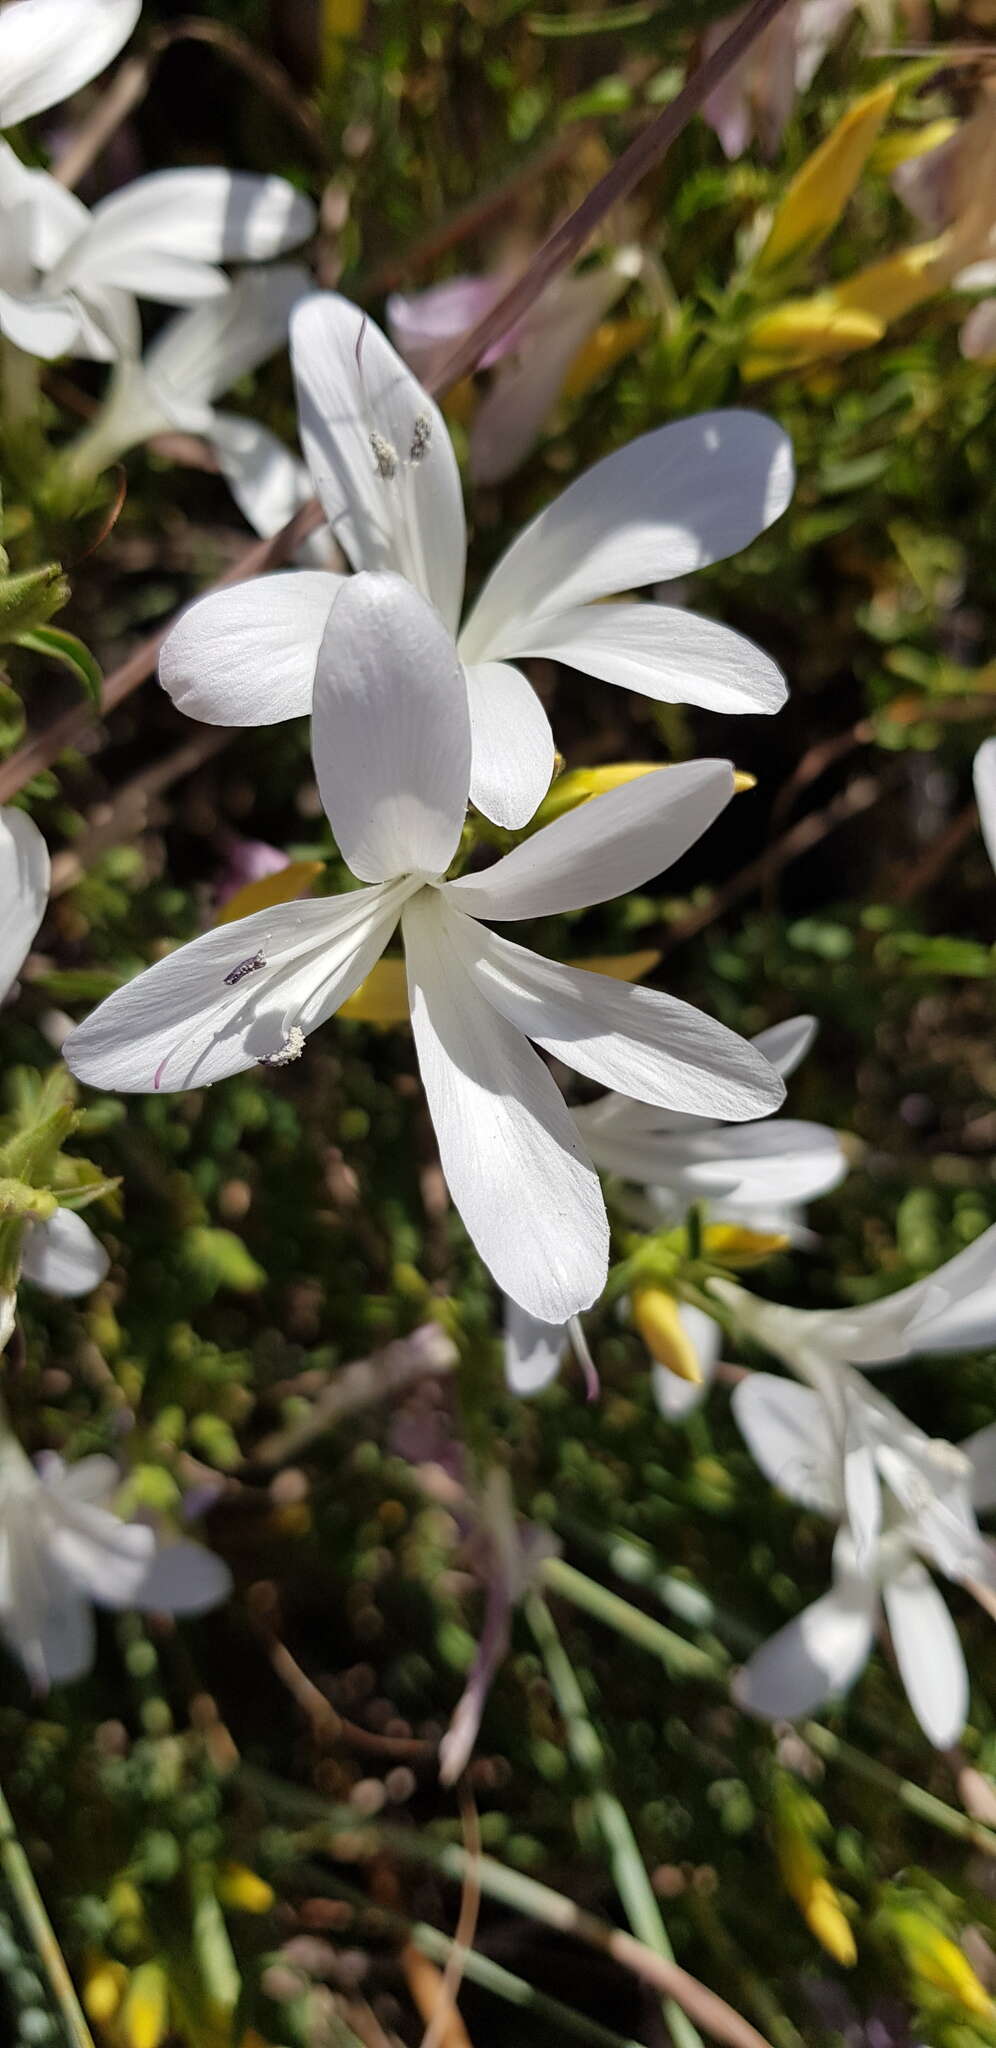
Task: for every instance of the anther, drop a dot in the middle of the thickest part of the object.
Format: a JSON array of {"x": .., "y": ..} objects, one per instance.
[
  {"x": 421, "y": 437},
  {"x": 249, "y": 966},
  {"x": 385, "y": 457},
  {"x": 292, "y": 1048}
]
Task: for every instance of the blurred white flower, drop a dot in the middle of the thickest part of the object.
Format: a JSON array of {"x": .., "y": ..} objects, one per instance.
[
  {"x": 384, "y": 468},
  {"x": 49, "y": 48},
  {"x": 755, "y": 99},
  {"x": 63, "y": 1551},
  {"x": 391, "y": 746},
  {"x": 904, "y": 1500},
  {"x": 531, "y": 361},
  {"x": 69, "y": 277},
  {"x": 61, "y": 1253}
]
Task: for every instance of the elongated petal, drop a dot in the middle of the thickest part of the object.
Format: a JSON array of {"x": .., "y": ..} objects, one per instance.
[
  {"x": 43, "y": 327},
  {"x": 248, "y": 656},
  {"x": 786, "y": 1045},
  {"x": 862, "y": 1488},
  {"x": 660, "y": 652},
  {"x": 984, "y": 777},
  {"x": 533, "y": 1350},
  {"x": 529, "y": 1199},
  {"x": 63, "y": 1256},
  {"x": 511, "y": 416},
  {"x": 101, "y": 1555},
  {"x": 604, "y": 848},
  {"x": 787, "y": 1432},
  {"x": 95, "y": 1479},
  {"x": 928, "y": 1652},
  {"x": 181, "y": 1024},
  {"x": 390, "y": 731},
  {"x": 513, "y": 751},
  {"x": 379, "y": 452},
  {"x": 24, "y": 883},
  {"x": 817, "y": 1655},
  {"x": 665, "y": 504},
  {"x": 268, "y": 482},
  {"x": 49, "y": 48},
  {"x": 158, "y": 234},
  {"x": 676, "y": 1399},
  {"x": 183, "y": 1578},
  {"x": 953, "y": 1309},
  {"x": 200, "y": 355},
  {"x": 63, "y": 1645},
  {"x": 764, "y": 1165},
  {"x": 426, "y": 326},
  {"x": 980, "y": 1450},
  {"x": 648, "y": 1044}
]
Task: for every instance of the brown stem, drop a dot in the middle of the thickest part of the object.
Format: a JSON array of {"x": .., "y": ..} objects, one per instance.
[{"x": 566, "y": 242}]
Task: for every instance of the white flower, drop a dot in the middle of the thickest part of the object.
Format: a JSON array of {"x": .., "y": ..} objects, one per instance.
[
  {"x": 391, "y": 745},
  {"x": 761, "y": 1174},
  {"x": 531, "y": 362},
  {"x": 63, "y": 1551},
  {"x": 384, "y": 468},
  {"x": 901, "y": 1498},
  {"x": 68, "y": 277},
  {"x": 61, "y": 1254},
  {"x": 49, "y": 48},
  {"x": 984, "y": 776}
]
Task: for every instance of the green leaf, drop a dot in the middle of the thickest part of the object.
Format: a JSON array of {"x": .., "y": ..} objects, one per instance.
[
  {"x": 11, "y": 718},
  {"x": 28, "y": 600},
  {"x": 73, "y": 654}
]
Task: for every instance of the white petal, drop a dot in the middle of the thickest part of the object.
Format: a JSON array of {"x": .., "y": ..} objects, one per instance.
[
  {"x": 58, "y": 218},
  {"x": 674, "y": 1398},
  {"x": 651, "y": 1045},
  {"x": 604, "y": 848},
  {"x": 513, "y": 751},
  {"x": 355, "y": 397},
  {"x": 928, "y": 1652},
  {"x": 862, "y": 1488},
  {"x": 200, "y": 355},
  {"x": 248, "y": 656},
  {"x": 63, "y": 1256},
  {"x": 819, "y": 1654},
  {"x": 787, "y": 1431},
  {"x": 183, "y": 1578},
  {"x": 760, "y": 1165},
  {"x": 984, "y": 776},
  {"x": 390, "y": 731},
  {"x": 268, "y": 483},
  {"x": 980, "y": 1450},
  {"x": 660, "y": 652},
  {"x": 65, "y": 1643},
  {"x": 663, "y": 505},
  {"x": 954, "y": 1309},
  {"x": 529, "y": 1199},
  {"x": 101, "y": 1555},
  {"x": 181, "y": 1025},
  {"x": 95, "y": 1479},
  {"x": 24, "y": 882},
  {"x": 49, "y": 48},
  {"x": 42, "y": 327},
  {"x": 786, "y": 1045},
  {"x": 511, "y": 416},
  {"x": 533, "y": 1350},
  {"x": 164, "y": 234}
]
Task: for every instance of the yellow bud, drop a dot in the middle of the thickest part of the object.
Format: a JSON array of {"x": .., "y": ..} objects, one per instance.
[
  {"x": 103, "y": 1988},
  {"x": 887, "y": 290},
  {"x": 939, "y": 1961},
  {"x": 578, "y": 785},
  {"x": 145, "y": 2012},
  {"x": 818, "y": 193},
  {"x": 610, "y": 342},
  {"x": 825, "y": 1918},
  {"x": 803, "y": 330},
  {"x": 797, "y": 1822},
  {"x": 892, "y": 150},
  {"x": 242, "y": 1890},
  {"x": 288, "y": 883},
  {"x": 732, "y": 1244},
  {"x": 655, "y": 1314}
]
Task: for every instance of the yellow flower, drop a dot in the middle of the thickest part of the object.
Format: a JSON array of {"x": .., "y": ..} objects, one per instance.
[
  {"x": 655, "y": 1314},
  {"x": 243, "y": 1890},
  {"x": 939, "y": 1961},
  {"x": 732, "y": 1244},
  {"x": 818, "y": 193},
  {"x": 288, "y": 883},
  {"x": 145, "y": 2013}
]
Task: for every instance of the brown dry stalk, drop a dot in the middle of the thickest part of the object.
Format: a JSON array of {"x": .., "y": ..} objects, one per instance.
[{"x": 39, "y": 753}]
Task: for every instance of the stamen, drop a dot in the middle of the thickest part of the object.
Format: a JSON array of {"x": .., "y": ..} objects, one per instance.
[
  {"x": 421, "y": 437},
  {"x": 385, "y": 457},
  {"x": 249, "y": 966},
  {"x": 292, "y": 1048}
]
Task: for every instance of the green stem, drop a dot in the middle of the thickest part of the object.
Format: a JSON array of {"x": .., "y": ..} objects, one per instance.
[
  {"x": 21, "y": 1879},
  {"x": 629, "y": 1873},
  {"x": 491, "y": 1976},
  {"x": 632, "y": 1560}
]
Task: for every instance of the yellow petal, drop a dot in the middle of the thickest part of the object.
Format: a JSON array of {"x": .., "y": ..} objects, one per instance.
[
  {"x": 940, "y": 1962},
  {"x": 383, "y": 997},
  {"x": 145, "y": 2012},
  {"x": 818, "y": 193},
  {"x": 244, "y": 1891},
  {"x": 655, "y": 1314},
  {"x": 802, "y": 330},
  {"x": 892, "y": 150},
  {"x": 734, "y": 1245},
  {"x": 888, "y": 289},
  {"x": 610, "y": 342},
  {"x": 823, "y": 1914},
  {"x": 288, "y": 883}
]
